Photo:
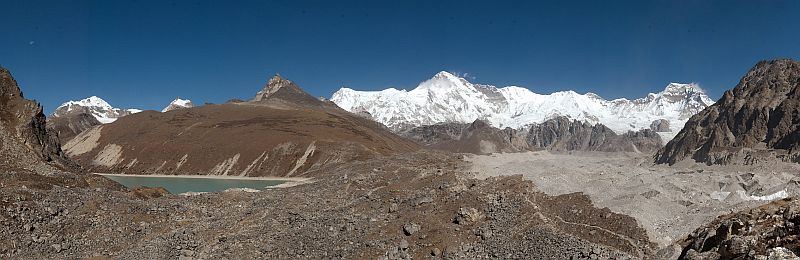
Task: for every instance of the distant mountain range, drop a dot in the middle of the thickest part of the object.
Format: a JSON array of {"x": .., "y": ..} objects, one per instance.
[
  {"x": 282, "y": 131},
  {"x": 446, "y": 98}
]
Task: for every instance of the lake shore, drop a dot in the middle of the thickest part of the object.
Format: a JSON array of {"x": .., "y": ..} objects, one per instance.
[{"x": 288, "y": 179}]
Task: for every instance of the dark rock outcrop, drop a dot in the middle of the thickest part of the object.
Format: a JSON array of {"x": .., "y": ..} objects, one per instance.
[
  {"x": 360, "y": 111},
  {"x": 756, "y": 120},
  {"x": 25, "y": 139},
  {"x": 477, "y": 137},
  {"x": 67, "y": 127},
  {"x": 660, "y": 125},
  {"x": 562, "y": 134},
  {"x": 768, "y": 230},
  {"x": 557, "y": 134}
]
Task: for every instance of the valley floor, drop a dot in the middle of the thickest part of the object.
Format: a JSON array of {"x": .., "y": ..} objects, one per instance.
[
  {"x": 420, "y": 205},
  {"x": 668, "y": 201},
  {"x": 414, "y": 206}
]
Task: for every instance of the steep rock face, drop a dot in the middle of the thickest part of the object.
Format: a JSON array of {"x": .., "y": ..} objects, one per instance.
[
  {"x": 282, "y": 132},
  {"x": 25, "y": 139},
  {"x": 563, "y": 134},
  {"x": 446, "y": 98},
  {"x": 757, "y": 119},
  {"x": 69, "y": 126},
  {"x": 557, "y": 134}
]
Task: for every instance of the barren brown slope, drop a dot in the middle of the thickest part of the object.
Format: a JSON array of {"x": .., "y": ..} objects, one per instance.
[{"x": 272, "y": 136}]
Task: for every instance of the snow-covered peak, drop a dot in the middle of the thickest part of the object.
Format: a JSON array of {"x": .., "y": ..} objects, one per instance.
[
  {"x": 447, "y": 98},
  {"x": 681, "y": 88},
  {"x": 445, "y": 75},
  {"x": 96, "y": 106},
  {"x": 178, "y": 103},
  {"x": 93, "y": 101},
  {"x": 443, "y": 81}
]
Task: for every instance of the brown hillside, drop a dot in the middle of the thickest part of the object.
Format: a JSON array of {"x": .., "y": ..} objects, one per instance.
[{"x": 271, "y": 136}]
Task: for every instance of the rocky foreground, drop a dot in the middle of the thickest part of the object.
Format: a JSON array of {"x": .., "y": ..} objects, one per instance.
[
  {"x": 417, "y": 205},
  {"x": 770, "y": 231}
]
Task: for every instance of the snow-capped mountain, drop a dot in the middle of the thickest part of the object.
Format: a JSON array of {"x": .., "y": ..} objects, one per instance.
[
  {"x": 177, "y": 104},
  {"x": 448, "y": 98},
  {"x": 95, "y": 106}
]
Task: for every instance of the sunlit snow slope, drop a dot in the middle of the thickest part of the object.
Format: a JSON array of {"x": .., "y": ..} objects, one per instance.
[
  {"x": 95, "y": 106},
  {"x": 448, "y": 98}
]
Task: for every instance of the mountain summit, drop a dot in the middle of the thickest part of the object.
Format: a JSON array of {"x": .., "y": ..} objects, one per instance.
[
  {"x": 446, "y": 98},
  {"x": 97, "y": 107},
  {"x": 282, "y": 90}
]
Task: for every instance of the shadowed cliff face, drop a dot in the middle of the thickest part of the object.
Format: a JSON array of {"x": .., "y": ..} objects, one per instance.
[
  {"x": 758, "y": 119},
  {"x": 25, "y": 140}
]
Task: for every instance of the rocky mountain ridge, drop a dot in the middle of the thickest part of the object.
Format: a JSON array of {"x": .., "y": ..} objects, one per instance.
[
  {"x": 756, "y": 120},
  {"x": 557, "y": 134},
  {"x": 446, "y": 98}
]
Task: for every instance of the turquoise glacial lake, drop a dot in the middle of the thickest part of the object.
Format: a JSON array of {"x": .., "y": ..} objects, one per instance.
[{"x": 177, "y": 184}]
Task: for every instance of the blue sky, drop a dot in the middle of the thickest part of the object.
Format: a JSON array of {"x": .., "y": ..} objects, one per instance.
[{"x": 145, "y": 53}]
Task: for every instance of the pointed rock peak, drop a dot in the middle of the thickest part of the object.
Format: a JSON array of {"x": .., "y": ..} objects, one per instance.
[
  {"x": 278, "y": 84},
  {"x": 282, "y": 89},
  {"x": 275, "y": 79},
  {"x": 478, "y": 123},
  {"x": 8, "y": 86}
]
